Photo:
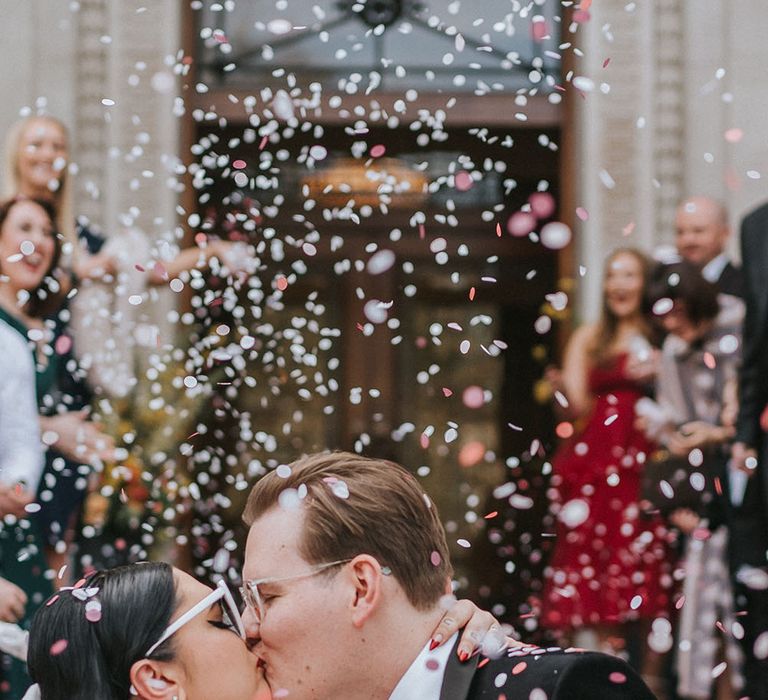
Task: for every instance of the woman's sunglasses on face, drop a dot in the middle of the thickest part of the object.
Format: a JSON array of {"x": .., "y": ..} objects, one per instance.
[{"x": 230, "y": 613}]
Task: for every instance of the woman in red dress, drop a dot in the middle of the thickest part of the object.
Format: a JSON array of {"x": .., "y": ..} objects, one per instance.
[{"x": 610, "y": 563}]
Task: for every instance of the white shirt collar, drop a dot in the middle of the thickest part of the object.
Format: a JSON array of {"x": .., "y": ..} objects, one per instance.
[
  {"x": 714, "y": 268},
  {"x": 424, "y": 678}
]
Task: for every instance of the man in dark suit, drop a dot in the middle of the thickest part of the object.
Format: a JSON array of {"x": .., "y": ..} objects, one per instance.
[
  {"x": 701, "y": 236},
  {"x": 749, "y": 526},
  {"x": 346, "y": 566},
  {"x": 532, "y": 673}
]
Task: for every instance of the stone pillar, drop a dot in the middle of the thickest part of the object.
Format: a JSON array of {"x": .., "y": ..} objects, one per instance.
[
  {"x": 631, "y": 133},
  {"x": 38, "y": 56},
  {"x": 127, "y": 134},
  {"x": 727, "y": 102}
]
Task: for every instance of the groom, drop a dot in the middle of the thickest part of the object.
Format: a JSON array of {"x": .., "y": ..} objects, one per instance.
[{"x": 345, "y": 568}]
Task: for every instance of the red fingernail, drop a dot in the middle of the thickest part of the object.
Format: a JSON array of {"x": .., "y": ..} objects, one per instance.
[
  {"x": 433, "y": 645},
  {"x": 463, "y": 656}
]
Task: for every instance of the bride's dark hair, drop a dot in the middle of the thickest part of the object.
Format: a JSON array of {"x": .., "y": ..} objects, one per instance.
[{"x": 72, "y": 658}]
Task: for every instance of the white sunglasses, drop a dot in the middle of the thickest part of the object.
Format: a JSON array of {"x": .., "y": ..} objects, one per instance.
[{"x": 221, "y": 592}]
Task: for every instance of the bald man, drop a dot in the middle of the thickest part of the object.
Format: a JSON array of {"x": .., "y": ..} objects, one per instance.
[{"x": 701, "y": 236}]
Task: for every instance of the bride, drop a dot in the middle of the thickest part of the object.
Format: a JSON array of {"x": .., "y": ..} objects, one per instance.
[{"x": 152, "y": 632}]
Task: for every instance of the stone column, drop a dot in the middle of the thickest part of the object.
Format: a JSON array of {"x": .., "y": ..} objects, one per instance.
[
  {"x": 631, "y": 133},
  {"x": 127, "y": 134},
  {"x": 38, "y": 56}
]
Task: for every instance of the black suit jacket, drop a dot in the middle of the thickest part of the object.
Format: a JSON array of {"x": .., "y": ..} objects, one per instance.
[
  {"x": 558, "y": 674},
  {"x": 753, "y": 385},
  {"x": 731, "y": 281}
]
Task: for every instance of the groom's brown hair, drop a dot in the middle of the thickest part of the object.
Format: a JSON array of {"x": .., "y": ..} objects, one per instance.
[{"x": 356, "y": 505}]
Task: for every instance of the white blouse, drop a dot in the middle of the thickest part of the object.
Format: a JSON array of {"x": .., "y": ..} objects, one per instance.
[{"x": 21, "y": 452}]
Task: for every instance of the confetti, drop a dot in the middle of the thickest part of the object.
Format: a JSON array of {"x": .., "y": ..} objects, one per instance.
[
  {"x": 59, "y": 647},
  {"x": 378, "y": 151}
]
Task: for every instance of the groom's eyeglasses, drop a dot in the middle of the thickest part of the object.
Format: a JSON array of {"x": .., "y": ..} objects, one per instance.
[
  {"x": 254, "y": 599},
  {"x": 229, "y": 612}
]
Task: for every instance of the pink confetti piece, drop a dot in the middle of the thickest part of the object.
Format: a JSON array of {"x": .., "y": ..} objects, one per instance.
[
  {"x": 581, "y": 16},
  {"x": 617, "y": 677},
  {"x": 606, "y": 62},
  {"x": 582, "y": 213},
  {"x": 521, "y": 223},
  {"x": 542, "y": 204},
  {"x": 58, "y": 647},
  {"x": 491, "y": 515},
  {"x": 93, "y": 615},
  {"x": 471, "y": 454},
  {"x": 447, "y": 392},
  {"x": 63, "y": 344},
  {"x": 432, "y": 665},
  {"x": 140, "y": 268},
  {"x": 422, "y": 232},
  {"x": 281, "y": 283},
  {"x": 239, "y": 164},
  {"x": 463, "y": 181},
  {"x": 263, "y": 142},
  {"x": 424, "y": 441},
  {"x": 472, "y": 294},
  {"x": 473, "y": 397},
  {"x": 378, "y": 150},
  {"x": 435, "y": 558},
  {"x": 734, "y": 135},
  {"x": 539, "y": 29},
  {"x": 519, "y": 668}
]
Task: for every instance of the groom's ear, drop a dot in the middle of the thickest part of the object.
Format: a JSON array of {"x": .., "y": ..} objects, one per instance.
[
  {"x": 367, "y": 579},
  {"x": 154, "y": 680}
]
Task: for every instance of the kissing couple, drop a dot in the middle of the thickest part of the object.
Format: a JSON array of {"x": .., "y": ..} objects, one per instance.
[{"x": 346, "y": 578}]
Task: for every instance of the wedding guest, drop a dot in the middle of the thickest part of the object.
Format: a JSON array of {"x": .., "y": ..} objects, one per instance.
[
  {"x": 610, "y": 565},
  {"x": 21, "y": 455},
  {"x": 97, "y": 329},
  {"x": 701, "y": 236},
  {"x": 695, "y": 415},
  {"x": 37, "y": 165},
  {"x": 29, "y": 291},
  {"x": 749, "y": 526},
  {"x": 21, "y": 452}
]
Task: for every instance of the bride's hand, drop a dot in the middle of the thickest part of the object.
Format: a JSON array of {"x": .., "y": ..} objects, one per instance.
[{"x": 482, "y": 631}]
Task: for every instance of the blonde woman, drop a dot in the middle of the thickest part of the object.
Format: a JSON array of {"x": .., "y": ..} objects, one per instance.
[{"x": 37, "y": 166}]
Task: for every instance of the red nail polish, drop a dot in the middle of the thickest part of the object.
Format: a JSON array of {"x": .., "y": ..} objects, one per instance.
[
  {"x": 433, "y": 644},
  {"x": 463, "y": 656}
]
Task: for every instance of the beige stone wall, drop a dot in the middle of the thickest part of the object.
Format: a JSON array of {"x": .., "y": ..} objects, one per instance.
[
  {"x": 69, "y": 57},
  {"x": 682, "y": 76},
  {"x": 630, "y": 132}
]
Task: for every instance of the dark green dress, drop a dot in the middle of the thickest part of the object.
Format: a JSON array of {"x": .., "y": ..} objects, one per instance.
[{"x": 22, "y": 558}]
